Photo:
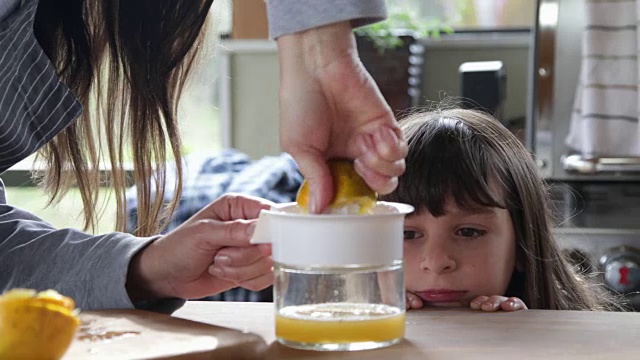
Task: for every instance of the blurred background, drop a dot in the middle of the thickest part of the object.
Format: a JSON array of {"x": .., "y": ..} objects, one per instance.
[{"x": 233, "y": 94}]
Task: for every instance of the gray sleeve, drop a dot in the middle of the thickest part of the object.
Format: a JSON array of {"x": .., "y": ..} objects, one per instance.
[
  {"x": 290, "y": 16},
  {"x": 6, "y": 7},
  {"x": 91, "y": 269}
]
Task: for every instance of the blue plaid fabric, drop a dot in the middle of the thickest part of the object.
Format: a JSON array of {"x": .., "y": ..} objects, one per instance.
[
  {"x": 207, "y": 177},
  {"x": 275, "y": 178}
]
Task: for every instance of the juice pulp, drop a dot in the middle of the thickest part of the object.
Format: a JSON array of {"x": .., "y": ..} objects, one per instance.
[{"x": 340, "y": 323}]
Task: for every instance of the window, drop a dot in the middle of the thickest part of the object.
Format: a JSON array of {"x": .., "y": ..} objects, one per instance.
[
  {"x": 198, "y": 112},
  {"x": 475, "y": 15}
]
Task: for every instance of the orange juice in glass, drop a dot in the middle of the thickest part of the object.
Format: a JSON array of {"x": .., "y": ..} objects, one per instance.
[
  {"x": 340, "y": 324},
  {"x": 339, "y": 278}
]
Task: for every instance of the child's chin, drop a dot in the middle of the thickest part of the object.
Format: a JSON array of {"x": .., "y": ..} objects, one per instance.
[{"x": 450, "y": 304}]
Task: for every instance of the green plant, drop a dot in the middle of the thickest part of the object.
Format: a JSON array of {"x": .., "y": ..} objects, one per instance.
[{"x": 402, "y": 20}]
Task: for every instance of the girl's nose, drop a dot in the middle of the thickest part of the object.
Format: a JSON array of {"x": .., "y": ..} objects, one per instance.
[{"x": 437, "y": 259}]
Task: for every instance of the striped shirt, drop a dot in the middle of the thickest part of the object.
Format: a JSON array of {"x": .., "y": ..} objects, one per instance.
[
  {"x": 6, "y": 7},
  {"x": 34, "y": 104}
]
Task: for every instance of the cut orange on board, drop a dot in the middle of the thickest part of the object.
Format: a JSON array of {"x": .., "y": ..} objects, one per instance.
[
  {"x": 352, "y": 194},
  {"x": 36, "y": 325}
]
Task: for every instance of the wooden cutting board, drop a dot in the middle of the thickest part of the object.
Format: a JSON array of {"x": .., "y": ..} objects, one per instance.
[{"x": 137, "y": 334}]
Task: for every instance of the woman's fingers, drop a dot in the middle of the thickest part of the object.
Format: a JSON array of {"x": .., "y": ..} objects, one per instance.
[
  {"x": 382, "y": 159},
  {"x": 237, "y": 256},
  {"x": 382, "y": 184},
  {"x": 246, "y": 267},
  {"x": 233, "y": 207},
  {"x": 242, "y": 273},
  {"x": 210, "y": 235},
  {"x": 258, "y": 283}
]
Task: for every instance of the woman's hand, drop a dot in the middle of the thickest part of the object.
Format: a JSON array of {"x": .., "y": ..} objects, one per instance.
[
  {"x": 497, "y": 302},
  {"x": 330, "y": 107},
  {"x": 207, "y": 254}
]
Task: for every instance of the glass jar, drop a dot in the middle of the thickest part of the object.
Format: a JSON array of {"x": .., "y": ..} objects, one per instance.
[{"x": 339, "y": 279}]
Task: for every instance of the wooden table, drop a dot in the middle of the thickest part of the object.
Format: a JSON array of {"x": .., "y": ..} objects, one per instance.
[{"x": 458, "y": 333}]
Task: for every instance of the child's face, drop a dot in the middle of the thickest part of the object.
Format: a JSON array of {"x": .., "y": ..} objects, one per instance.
[{"x": 463, "y": 254}]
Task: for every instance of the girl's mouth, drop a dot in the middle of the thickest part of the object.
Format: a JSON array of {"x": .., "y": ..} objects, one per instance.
[{"x": 441, "y": 295}]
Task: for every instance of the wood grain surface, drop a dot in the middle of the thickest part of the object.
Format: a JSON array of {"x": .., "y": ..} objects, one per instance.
[
  {"x": 137, "y": 334},
  {"x": 458, "y": 333}
]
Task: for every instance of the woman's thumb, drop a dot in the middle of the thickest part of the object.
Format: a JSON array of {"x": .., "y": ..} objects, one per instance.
[{"x": 316, "y": 172}]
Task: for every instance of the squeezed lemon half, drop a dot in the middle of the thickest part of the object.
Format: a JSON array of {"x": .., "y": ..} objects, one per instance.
[
  {"x": 36, "y": 325},
  {"x": 352, "y": 194}
]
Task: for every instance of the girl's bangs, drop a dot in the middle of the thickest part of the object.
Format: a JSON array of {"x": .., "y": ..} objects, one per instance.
[{"x": 447, "y": 162}]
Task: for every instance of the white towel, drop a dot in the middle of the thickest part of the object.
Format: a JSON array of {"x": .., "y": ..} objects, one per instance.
[{"x": 604, "y": 122}]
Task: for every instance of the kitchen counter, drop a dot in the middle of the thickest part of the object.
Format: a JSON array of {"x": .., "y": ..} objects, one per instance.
[{"x": 457, "y": 333}]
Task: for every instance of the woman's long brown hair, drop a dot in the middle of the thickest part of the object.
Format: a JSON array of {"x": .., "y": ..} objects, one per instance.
[
  {"x": 465, "y": 155},
  {"x": 127, "y": 63}
]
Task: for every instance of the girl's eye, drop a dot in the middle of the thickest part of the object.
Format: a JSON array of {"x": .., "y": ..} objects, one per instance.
[
  {"x": 411, "y": 235},
  {"x": 470, "y": 232}
]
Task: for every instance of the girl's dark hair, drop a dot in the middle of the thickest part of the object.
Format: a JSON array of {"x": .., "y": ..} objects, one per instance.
[
  {"x": 463, "y": 155},
  {"x": 127, "y": 62}
]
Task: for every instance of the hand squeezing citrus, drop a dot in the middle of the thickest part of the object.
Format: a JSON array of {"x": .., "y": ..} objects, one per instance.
[
  {"x": 36, "y": 325},
  {"x": 352, "y": 194}
]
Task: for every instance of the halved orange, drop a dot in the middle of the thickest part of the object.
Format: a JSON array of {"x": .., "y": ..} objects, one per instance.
[
  {"x": 352, "y": 194},
  {"x": 36, "y": 325}
]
